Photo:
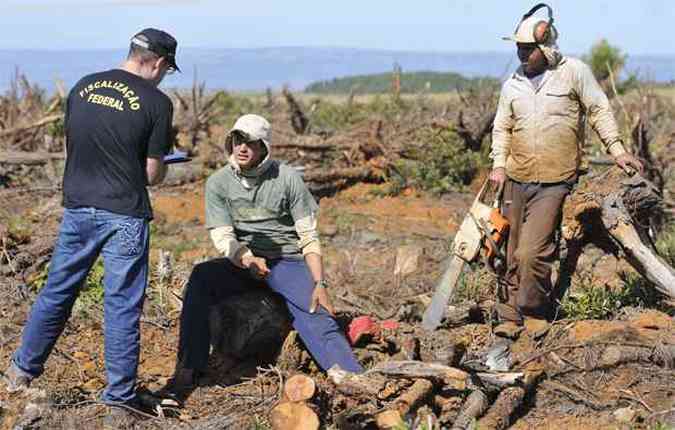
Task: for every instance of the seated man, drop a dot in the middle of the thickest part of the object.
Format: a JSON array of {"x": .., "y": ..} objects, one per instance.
[{"x": 262, "y": 218}]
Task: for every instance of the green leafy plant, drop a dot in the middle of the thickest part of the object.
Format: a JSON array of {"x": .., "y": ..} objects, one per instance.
[
  {"x": 440, "y": 164},
  {"x": 589, "y": 301},
  {"x": 604, "y": 57},
  {"x": 92, "y": 290}
]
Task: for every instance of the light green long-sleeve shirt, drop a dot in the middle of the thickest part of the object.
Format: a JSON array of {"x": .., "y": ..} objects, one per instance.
[{"x": 272, "y": 219}]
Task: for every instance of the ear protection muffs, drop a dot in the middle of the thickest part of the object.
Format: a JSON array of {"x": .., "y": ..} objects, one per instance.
[{"x": 550, "y": 32}]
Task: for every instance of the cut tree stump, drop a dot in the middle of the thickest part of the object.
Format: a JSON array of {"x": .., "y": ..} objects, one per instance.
[
  {"x": 299, "y": 388},
  {"x": 389, "y": 420},
  {"x": 293, "y": 416},
  {"x": 611, "y": 211}
]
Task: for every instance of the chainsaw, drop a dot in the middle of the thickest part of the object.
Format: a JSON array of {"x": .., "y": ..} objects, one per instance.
[{"x": 483, "y": 231}]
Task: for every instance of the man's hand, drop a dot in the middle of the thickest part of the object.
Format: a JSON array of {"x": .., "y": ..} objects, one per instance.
[
  {"x": 257, "y": 266},
  {"x": 320, "y": 297},
  {"x": 629, "y": 163},
  {"x": 498, "y": 176}
]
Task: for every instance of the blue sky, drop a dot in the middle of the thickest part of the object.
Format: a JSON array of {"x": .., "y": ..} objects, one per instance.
[{"x": 638, "y": 27}]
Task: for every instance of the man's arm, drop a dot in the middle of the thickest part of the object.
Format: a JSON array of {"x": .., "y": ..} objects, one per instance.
[
  {"x": 501, "y": 137},
  {"x": 155, "y": 170},
  {"x": 159, "y": 143},
  {"x": 319, "y": 295},
  {"x": 240, "y": 255},
  {"x": 601, "y": 119},
  {"x": 310, "y": 245},
  {"x": 304, "y": 212}
]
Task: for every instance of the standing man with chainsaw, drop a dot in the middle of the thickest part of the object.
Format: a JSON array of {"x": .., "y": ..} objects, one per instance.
[
  {"x": 118, "y": 130},
  {"x": 263, "y": 220},
  {"x": 536, "y": 151}
]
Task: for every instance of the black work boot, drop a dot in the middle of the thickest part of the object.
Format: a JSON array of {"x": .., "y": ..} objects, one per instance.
[{"x": 180, "y": 385}]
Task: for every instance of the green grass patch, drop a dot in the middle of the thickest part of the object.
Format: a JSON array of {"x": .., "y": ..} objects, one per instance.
[{"x": 91, "y": 292}]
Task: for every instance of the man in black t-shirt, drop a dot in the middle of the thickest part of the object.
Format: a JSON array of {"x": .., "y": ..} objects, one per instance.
[{"x": 118, "y": 129}]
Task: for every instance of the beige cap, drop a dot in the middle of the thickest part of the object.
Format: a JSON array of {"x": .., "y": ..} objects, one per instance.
[
  {"x": 525, "y": 31},
  {"x": 253, "y": 126}
]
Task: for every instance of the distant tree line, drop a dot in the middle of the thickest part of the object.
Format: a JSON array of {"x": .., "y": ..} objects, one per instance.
[{"x": 410, "y": 82}]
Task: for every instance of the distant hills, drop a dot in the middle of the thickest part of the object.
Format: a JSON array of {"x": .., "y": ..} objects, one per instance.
[
  {"x": 257, "y": 69},
  {"x": 411, "y": 82}
]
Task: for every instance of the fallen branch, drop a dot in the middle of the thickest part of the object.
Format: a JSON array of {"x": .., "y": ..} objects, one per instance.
[
  {"x": 347, "y": 173},
  {"x": 457, "y": 379},
  {"x": 500, "y": 379},
  {"x": 305, "y": 146},
  {"x": 573, "y": 395},
  {"x": 508, "y": 401},
  {"x": 412, "y": 398},
  {"x": 42, "y": 122},
  {"x": 29, "y": 158},
  {"x": 617, "y": 355},
  {"x": 474, "y": 406}
]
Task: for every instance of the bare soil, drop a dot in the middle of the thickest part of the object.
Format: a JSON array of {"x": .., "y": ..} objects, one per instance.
[{"x": 363, "y": 234}]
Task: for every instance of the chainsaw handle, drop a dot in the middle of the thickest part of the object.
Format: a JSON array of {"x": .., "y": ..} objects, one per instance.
[{"x": 498, "y": 196}]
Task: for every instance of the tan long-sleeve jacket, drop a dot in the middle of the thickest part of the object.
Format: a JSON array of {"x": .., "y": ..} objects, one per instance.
[{"x": 538, "y": 133}]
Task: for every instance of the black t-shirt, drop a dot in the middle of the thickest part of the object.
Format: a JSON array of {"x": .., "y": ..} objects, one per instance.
[{"x": 115, "y": 120}]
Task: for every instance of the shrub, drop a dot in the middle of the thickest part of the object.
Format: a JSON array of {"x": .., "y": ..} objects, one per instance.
[
  {"x": 440, "y": 164},
  {"x": 91, "y": 291},
  {"x": 604, "y": 57},
  {"x": 589, "y": 301}
]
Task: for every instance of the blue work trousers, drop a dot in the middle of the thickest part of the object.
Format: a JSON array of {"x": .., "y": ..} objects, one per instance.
[
  {"x": 216, "y": 280},
  {"x": 85, "y": 234}
]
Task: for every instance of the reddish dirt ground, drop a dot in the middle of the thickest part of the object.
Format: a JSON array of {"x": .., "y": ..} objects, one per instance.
[{"x": 363, "y": 232}]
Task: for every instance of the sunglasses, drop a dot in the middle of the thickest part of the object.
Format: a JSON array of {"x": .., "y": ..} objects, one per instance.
[{"x": 241, "y": 138}]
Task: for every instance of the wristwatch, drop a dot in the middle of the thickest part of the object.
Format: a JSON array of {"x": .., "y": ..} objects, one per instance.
[{"x": 321, "y": 284}]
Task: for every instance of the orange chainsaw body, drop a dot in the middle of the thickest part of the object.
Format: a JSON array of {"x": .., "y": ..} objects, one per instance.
[{"x": 497, "y": 232}]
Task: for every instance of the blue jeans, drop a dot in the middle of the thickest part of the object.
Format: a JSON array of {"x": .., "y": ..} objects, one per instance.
[
  {"x": 217, "y": 280},
  {"x": 85, "y": 234}
]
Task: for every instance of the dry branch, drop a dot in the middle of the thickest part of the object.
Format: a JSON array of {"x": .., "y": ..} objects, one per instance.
[
  {"x": 29, "y": 158},
  {"x": 413, "y": 396},
  {"x": 574, "y": 395},
  {"x": 508, "y": 401},
  {"x": 348, "y": 173},
  {"x": 615, "y": 355},
  {"x": 611, "y": 210},
  {"x": 455, "y": 378},
  {"x": 42, "y": 122},
  {"x": 474, "y": 406},
  {"x": 299, "y": 120},
  {"x": 411, "y": 399}
]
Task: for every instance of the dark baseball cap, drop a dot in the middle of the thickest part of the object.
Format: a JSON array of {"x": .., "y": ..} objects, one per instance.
[{"x": 159, "y": 42}]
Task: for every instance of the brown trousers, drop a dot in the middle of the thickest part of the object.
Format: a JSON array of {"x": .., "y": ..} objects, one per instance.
[{"x": 534, "y": 212}]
